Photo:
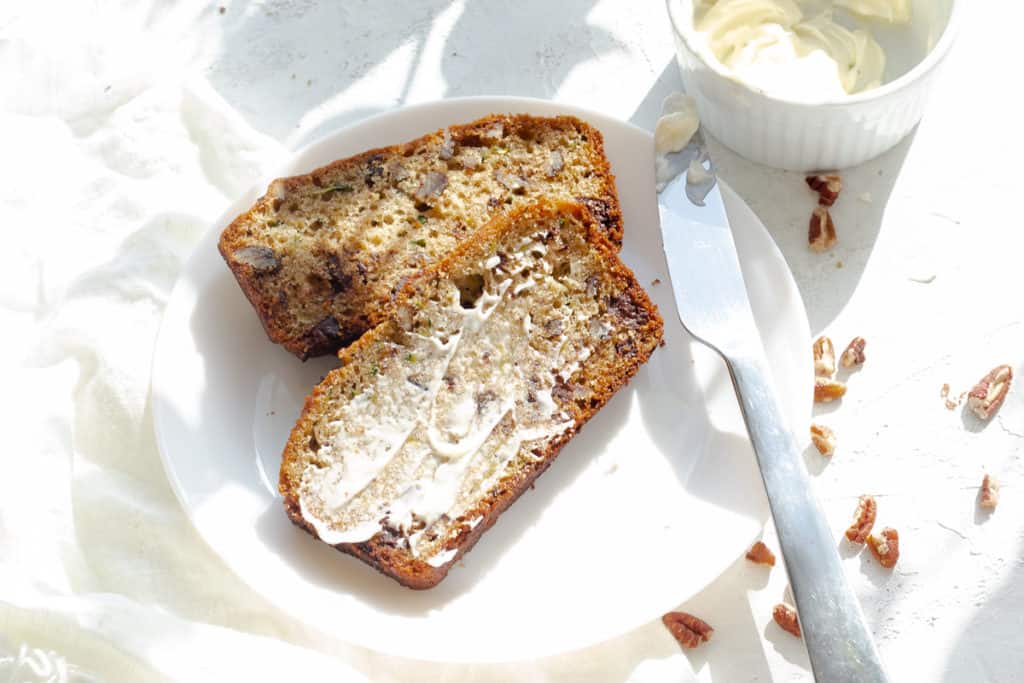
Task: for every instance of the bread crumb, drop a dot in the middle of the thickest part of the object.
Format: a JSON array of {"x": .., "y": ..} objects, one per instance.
[
  {"x": 655, "y": 282},
  {"x": 839, "y": 264},
  {"x": 222, "y": 9},
  {"x": 865, "y": 197}
]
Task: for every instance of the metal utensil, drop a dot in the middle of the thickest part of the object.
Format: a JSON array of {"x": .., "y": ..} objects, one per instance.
[{"x": 713, "y": 307}]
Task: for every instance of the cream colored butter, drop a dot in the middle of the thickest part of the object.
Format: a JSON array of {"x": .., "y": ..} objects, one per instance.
[
  {"x": 779, "y": 47},
  {"x": 696, "y": 173},
  {"x": 891, "y": 11},
  {"x": 677, "y": 125},
  {"x": 674, "y": 130},
  {"x": 416, "y": 452}
]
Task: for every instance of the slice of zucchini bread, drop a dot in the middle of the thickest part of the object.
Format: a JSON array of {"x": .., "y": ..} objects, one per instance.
[
  {"x": 320, "y": 255},
  {"x": 444, "y": 414}
]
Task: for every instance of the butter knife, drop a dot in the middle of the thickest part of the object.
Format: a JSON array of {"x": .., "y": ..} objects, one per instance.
[{"x": 713, "y": 307}]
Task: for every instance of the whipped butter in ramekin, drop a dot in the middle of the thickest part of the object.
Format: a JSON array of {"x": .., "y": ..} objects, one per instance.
[
  {"x": 810, "y": 84},
  {"x": 787, "y": 49}
]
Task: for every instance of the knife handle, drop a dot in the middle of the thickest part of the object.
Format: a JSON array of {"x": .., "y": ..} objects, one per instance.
[{"x": 834, "y": 631}]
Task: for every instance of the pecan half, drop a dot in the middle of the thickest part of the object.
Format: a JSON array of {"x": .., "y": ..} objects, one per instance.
[
  {"x": 824, "y": 357},
  {"x": 827, "y": 185},
  {"x": 827, "y": 390},
  {"x": 854, "y": 353},
  {"x": 785, "y": 617},
  {"x": 885, "y": 546},
  {"x": 863, "y": 520},
  {"x": 760, "y": 554},
  {"x": 988, "y": 394},
  {"x": 821, "y": 231},
  {"x": 824, "y": 439},
  {"x": 989, "y": 492},
  {"x": 687, "y": 629}
]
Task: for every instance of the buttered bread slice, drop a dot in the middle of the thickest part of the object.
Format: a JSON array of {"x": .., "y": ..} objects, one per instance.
[
  {"x": 486, "y": 365},
  {"x": 320, "y": 255}
]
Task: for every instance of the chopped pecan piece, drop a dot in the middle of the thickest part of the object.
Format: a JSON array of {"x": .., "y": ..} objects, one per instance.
[
  {"x": 555, "y": 163},
  {"x": 433, "y": 184},
  {"x": 785, "y": 617},
  {"x": 824, "y": 357},
  {"x": 495, "y": 132},
  {"x": 827, "y": 390},
  {"x": 854, "y": 353},
  {"x": 515, "y": 183},
  {"x": 821, "y": 231},
  {"x": 824, "y": 439},
  {"x": 760, "y": 554},
  {"x": 471, "y": 159},
  {"x": 950, "y": 403},
  {"x": 989, "y": 492},
  {"x": 885, "y": 546},
  {"x": 827, "y": 185},
  {"x": 988, "y": 394},
  {"x": 687, "y": 629},
  {"x": 261, "y": 259},
  {"x": 447, "y": 145},
  {"x": 867, "y": 509}
]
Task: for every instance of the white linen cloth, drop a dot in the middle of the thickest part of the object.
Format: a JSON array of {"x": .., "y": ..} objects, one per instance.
[
  {"x": 118, "y": 155},
  {"x": 128, "y": 126}
]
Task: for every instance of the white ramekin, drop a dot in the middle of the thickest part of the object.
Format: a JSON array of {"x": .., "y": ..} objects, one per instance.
[{"x": 801, "y": 136}]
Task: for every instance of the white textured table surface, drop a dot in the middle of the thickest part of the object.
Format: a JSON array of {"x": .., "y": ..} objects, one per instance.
[{"x": 111, "y": 174}]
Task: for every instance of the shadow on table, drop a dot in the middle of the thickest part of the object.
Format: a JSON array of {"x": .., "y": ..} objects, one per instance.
[
  {"x": 271, "y": 63},
  {"x": 532, "y": 58},
  {"x": 988, "y": 648},
  {"x": 783, "y": 202}
]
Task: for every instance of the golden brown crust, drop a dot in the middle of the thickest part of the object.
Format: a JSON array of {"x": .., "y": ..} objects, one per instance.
[
  {"x": 344, "y": 316},
  {"x": 603, "y": 378}
]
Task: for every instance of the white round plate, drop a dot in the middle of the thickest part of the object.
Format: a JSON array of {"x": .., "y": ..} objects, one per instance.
[{"x": 649, "y": 503}]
